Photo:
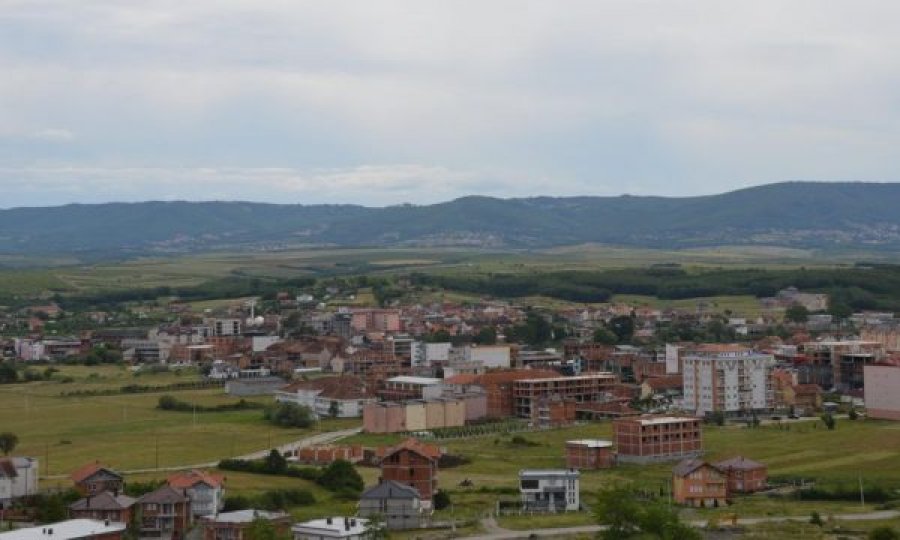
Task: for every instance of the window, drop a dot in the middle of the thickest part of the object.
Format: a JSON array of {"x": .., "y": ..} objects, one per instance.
[{"x": 529, "y": 484}]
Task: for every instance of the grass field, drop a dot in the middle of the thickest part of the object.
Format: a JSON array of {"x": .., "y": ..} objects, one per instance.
[{"x": 127, "y": 431}]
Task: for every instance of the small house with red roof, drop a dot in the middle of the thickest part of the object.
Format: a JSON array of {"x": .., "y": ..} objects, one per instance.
[
  {"x": 414, "y": 464},
  {"x": 206, "y": 491},
  {"x": 164, "y": 513},
  {"x": 700, "y": 484},
  {"x": 94, "y": 478},
  {"x": 744, "y": 475}
]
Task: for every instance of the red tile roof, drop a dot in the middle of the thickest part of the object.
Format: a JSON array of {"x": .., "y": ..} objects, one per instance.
[
  {"x": 189, "y": 479},
  {"x": 88, "y": 470}
]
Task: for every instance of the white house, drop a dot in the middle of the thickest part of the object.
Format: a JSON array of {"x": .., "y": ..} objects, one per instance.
[
  {"x": 72, "y": 529},
  {"x": 550, "y": 490},
  {"x": 341, "y": 396},
  {"x": 18, "y": 478},
  {"x": 206, "y": 491},
  {"x": 344, "y": 528}
]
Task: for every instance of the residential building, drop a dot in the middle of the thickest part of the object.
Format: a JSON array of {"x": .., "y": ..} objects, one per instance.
[
  {"x": 73, "y": 529},
  {"x": 586, "y": 388},
  {"x": 94, "y": 478},
  {"x": 552, "y": 490},
  {"x": 406, "y": 387},
  {"x": 414, "y": 464},
  {"x": 18, "y": 478},
  {"x": 590, "y": 454},
  {"x": 375, "y": 320},
  {"x": 105, "y": 506},
  {"x": 341, "y": 396},
  {"x": 342, "y": 528},
  {"x": 164, "y": 513},
  {"x": 206, "y": 491},
  {"x": 323, "y": 455},
  {"x": 231, "y": 525},
  {"x": 393, "y": 417},
  {"x": 399, "y": 505},
  {"x": 881, "y": 391},
  {"x": 730, "y": 379},
  {"x": 699, "y": 484},
  {"x": 744, "y": 475},
  {"x": 838, "y": 364},
  {"x": 645, "y": 439}
]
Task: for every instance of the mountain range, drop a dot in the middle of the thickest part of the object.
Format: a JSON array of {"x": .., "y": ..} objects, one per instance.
[{"x": 792, "y": 214}]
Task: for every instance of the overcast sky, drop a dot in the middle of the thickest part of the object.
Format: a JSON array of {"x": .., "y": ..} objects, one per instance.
[{"x": 379, "y": 102}]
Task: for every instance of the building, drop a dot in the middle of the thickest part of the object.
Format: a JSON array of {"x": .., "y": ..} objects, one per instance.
[
  {"x": 164, "y": 513},
  {"x": 206, "y": 491},
  {"x": 325, "y": 454},
  {"x": 105, "y": 506},
  {"x": 645, "y": 439},
  {"x": 343, "y": 528},
  {"x": 341, "y": 396},
  {"x": 414, "y": 464},
  {"x": 697, "y": 483},
  {"x": 231, "y": 525},
  {"x": 73, "y": 529},
  {"x": 375, "y": 320},
  {"x": 744, "y": 475},
  {"x": 399, "y": 505},
  {"x": 553, "y": 490},
  {"x": 394, "y": 417},
  {"x": 838, "y": 364},
  {"x": 94, "y": 478},
  {"x": 730, "y": 379},
  {"x": 881, "y": 391},
  {"x": 590, "y": 454},
  {"x": 587, "y": 388},
  {"x": 18, "y": 478},
  {"x": 406, "y": 387}
]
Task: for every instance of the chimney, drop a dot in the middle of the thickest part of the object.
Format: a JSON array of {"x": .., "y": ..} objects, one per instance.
[{"x": 328, "y": 521}]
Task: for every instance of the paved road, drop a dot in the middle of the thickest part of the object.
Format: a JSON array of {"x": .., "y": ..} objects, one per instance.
[
  {"x": 319, "y": 438},
  {"x": 495, "y": 532}
]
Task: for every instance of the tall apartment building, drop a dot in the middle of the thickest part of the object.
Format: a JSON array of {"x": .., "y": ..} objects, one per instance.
[
  {"x": 727, "y": 378},
  {"x": 657, "y": 438},
  {"x": 882, "y": 397}
]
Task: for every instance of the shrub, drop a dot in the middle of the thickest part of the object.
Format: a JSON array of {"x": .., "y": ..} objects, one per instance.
[{"x": 289, "y": 415}]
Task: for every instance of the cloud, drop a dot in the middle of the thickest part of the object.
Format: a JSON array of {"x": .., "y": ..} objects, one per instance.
[{"x": 512, "y": 97}]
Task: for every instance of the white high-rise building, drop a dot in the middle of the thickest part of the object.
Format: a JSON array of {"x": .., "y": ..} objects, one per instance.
[{"x": 727, "y": 378}]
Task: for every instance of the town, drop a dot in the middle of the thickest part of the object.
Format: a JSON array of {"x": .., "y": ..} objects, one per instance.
[{"x": 323, "y": 411}]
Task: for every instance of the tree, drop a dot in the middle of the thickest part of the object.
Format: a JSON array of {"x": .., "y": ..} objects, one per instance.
[
  {"x": 796, "y": 313},
  {"x": 486, "y": 336},
  {"x": 8, "y": 374},
  {"x": 262, "y": 529},
  {"x": 275, "y": 462},
  {"x": 8, "y": 442},
  {"x": 853, "y": 415},
  {"x": 626, "y": 518},
  {"x": 441, "y": 500},
  {"x": 605, "y": 336},
  {"x": 334, "y": 409},
  {"x": 341, "y": 475},
  {"x": 289, "y": 415},
  {"x": 623, "y": 327},
  {"x": 884, "y": 533},
  {"x": 829, "y": 421},
  {"x": 816, "y": 519}
]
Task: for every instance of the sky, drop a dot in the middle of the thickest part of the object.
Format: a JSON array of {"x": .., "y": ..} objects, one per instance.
[{"x": 383, "y": 102}]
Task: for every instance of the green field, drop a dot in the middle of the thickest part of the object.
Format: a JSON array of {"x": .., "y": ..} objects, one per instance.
[{"x": 126, "y": 431}]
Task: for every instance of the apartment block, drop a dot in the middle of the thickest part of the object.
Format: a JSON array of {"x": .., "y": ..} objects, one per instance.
[
  {"x": 727, "y": 378},
  {"x": 585, "y": 388},
  {"x": 657, "y": 438}
]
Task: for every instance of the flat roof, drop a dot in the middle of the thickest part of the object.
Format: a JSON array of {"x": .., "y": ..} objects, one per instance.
[
  {"x": 65, "y": 530},
  {"x": 599, "y": 375},
  {"x": 336, "y": 528},
  {"x": 665, "y": 420},
  {"x": 245, "y": 516},
  {"x": 409, "y": 379},
  {"x": 549, "y": 472},
  {"x": 592, "y": 443}
]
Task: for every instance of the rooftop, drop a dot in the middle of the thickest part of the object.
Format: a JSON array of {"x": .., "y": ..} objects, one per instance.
[
  {"x": 65, "y": 530},
  {"x": 549, "y": 472},
  {"x": 245, "y": 516},
  {"x": 408, "y": 379},
  {"x": 591, "y": 443},
  {"x": 338, "y": 526}
]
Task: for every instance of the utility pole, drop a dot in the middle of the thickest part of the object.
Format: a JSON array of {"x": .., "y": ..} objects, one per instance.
[
  {"x": 157, "y": 450},
  {"x": 46, "y": 459},
  {"x": 862, "y": 494}
]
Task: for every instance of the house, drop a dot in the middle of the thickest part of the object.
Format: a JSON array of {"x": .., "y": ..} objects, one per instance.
[
  {"x": 399, "y": 505},
  {"x": 18, "y": 478},
  {"x": 881, "y": 395},
  {"x": 643, "y": 439},
  {"x": 803, "y": 397},
  {"x": 73, "y": 529},
  {"x": 105, "y": 506},
  {"x": 342, "y": 396},
  {"x": 414, "y": 464},
  {"x": 231, "y": 525},
  {"x": 697, "y": 483},
  {"x": 552, "y": 490},
  {"x": 164, "y": 513},
  {"x": 590, "y": 454},
  {"x": 343, "y": 528},
  {"x": 206, "y": 491},
  {"x": 744, "y": 475},
  {"x": 94, "y": 478}
]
